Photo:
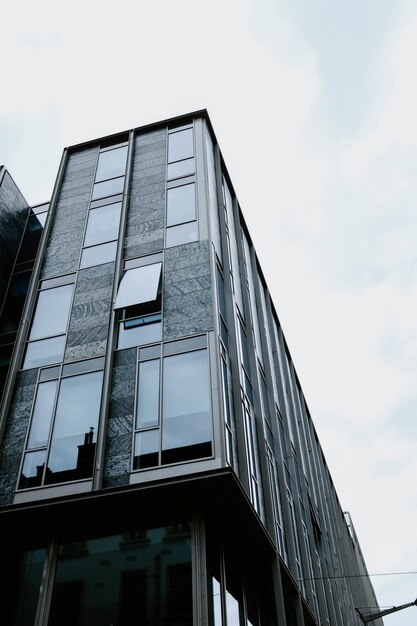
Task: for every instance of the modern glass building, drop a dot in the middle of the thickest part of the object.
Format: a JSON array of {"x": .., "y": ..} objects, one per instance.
[{"x": 158, "y": 462}]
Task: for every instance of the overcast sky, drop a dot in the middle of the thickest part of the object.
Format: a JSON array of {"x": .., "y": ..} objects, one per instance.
[{"x": 314, "y": 103}]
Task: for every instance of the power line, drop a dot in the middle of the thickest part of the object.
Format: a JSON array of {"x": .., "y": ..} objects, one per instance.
[{"x": 357, "y": 576}]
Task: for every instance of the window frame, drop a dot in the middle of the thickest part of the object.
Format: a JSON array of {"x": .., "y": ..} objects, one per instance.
[
  {"x": 58, "y": 375},
  {"x": 169, "y": 349}
]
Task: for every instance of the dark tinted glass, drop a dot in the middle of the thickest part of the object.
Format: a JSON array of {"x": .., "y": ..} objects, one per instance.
[
  {"x": 180, "y": 145},
  {"x": 108, "y": 188},
  {"x": 15, "y": 301},
  {"x": 181, "y": 204},
  {"x": 111, "y": 163},
  {"x": 73, "y": 441},
  {"x": 103, "y": 224},
  {"x": 23, "y": 587},
  {"x": 186, "y": 424},
  {"x": 140, "y": 578},
  {"x": 52, "y": 311},
  {"x": 31, "y": 238},
  {"x": 5, "y": 357}
]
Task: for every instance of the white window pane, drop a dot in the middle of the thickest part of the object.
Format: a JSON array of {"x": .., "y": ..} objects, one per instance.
[
  {"x": 103, "y": 224},
  {"x": 44, "y": 352},
  {"x": 52, "y": 310},
  {"x": 96, "y": 255},
  {"x": 111, "y": 163},
  {"x": 181, "y": 204},
  {"x": 147, "y": 413},
  {"x": 181, "y": 168},
  {"x": 139, "y": 285},
  {"x": 178, "y": 235},
  {"x": 42, "y": 415},
  {"x": 180, "y": 145}
]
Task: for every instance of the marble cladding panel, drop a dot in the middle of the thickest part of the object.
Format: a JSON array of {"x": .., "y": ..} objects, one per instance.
[
  {"x": 66, "y": 237},
  {"x": 89, "y": 320},
  {"x": 145, "y": 220},
  {"x": 187, "y": 291},
  {"x": 14, "y": 437},
  {"x": 120, "y": 419}
]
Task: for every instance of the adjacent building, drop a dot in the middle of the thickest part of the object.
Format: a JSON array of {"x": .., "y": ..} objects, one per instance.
[{"x": 158, "y": 462}]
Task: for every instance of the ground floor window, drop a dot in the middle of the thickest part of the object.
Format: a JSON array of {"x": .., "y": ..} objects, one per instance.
[{"x": 135, "y": 578}]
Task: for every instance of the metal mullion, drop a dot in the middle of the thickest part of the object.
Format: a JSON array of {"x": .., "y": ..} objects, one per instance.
[
  {"x": 160, "y": 416},
  {"x": 52, "y": 425},
  {"x": 44, "y": 606}
]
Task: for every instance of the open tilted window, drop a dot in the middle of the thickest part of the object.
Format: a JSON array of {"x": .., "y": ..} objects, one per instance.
[{"x": 139, "y": 303}]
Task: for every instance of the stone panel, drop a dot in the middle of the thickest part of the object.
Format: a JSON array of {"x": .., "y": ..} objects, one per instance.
[
  {"x": 146, "y": 212},
  {"x": 65, "y": 242},
  {"x": 187, "y": 296},
  {"x": 14, "y": 437},
  {"x": 120, "y": 419},
  {"x": 90, "y": 314}
]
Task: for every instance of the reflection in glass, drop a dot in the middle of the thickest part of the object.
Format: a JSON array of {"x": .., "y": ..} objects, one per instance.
[
  {"x": 103, "y": 224},
  {"x": 108, "y": 188},
  {"x": 217, "y": 608},
  {"x": 185, "y": 233},
  {"x": 111, "y": 163},
  {"x": 232, "y": 610},
  {"x": 32, "y": 470},
  {"x": 186, "y": 432},
  {"x": 103, "y": 253},
  {"x": 146, "y": 449},
  {"x": 42, "y": 415},
  {"x": 52, "y": 311},
  {"x": 14, "y": 302},
  {"x": 73, "y": 445},
  {"x": 139, "y": 331},
  {"x": 147, "y": 412},
  {"x": 23, "y": 588},
  {"x": 146, "y": 580},
  {"x": 181, "y": 204},
  {"x": 139, "y": 285},
  {"x": 181, "y": 168},
  {"x": 44, "y": 352},
  {"x": 31, "y": 238},
  {"x": 180, "y": 145}
]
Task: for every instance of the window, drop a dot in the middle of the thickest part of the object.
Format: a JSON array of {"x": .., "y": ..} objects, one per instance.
[
  {"x": 139, "y": 302},
  {"x": 181, "y": 217},
  {"x": 60, "y": 444},
  {"x": 110, "y": 172},
  {"x": 173, "y": 421},
  {"x": 180, "y": 153},
  {"x": 100, "y": 239},
  {"x": 49, "y": 325}
]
